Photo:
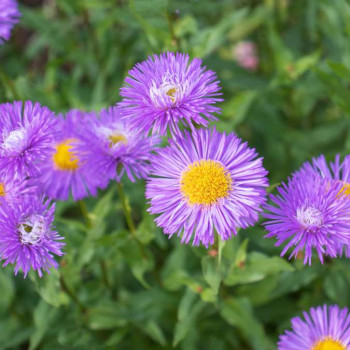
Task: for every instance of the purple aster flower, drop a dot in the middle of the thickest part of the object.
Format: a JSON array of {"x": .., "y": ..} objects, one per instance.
[
  {"x": 110, "y": 148},
  {"x": 167, "y": 90},
  {"x": 204, "y": 182},
  {"x": 64, "y": 172},
  {"x": 337, "y": 171},
  {"x": 26, "y": 139},
  {"x": 323, "y": 328},
  {"x": 9, "y": 15},
  {"x": 309, "y": 213},
  {"x": 27, "y": 237}
]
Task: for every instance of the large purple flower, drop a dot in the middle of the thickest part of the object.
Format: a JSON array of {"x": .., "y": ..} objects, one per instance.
[
  {"x": 206, "y": 182},
  {"x": 64, "y": 172},
  {"x": 308, "y": 213},
  {"x": 323, "y": 328},
  {"x": 26, "y": 139},
  {"x": 27, "y": 238},
  {"x": 9, "y": 15},
  {"x": 110, "y": 148},
  {"x": 167, "y": 90}
]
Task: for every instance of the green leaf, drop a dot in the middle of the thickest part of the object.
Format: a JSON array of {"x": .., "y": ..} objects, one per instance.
[
  {"x": 7, "y": 290},
  {"x": 334, "y": 286},
  {"x": 242, "y": 253},
  {"x": 108, "y": 315},
  {"x": 340, "y": 69},
  {"x": 137, "y": 259},
  {"x": 212, "y": 273},
  {"x": 186, "y": 304},
  {"x": 155, "y": 332},
  {"x": 146, "y": 230},
  {"x": 187, "y": 323},
  {"x": 49, "y": 288},
  {"x": 44, "y": 315},
  {"x": 237, "y": 108},
  {"x": 256, "y": 268},
  {"x": 239, "y": 313}
]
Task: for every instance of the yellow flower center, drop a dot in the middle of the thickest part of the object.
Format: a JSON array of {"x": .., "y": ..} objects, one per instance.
[
  {"x": 114, "y": 139},
  {"x": 64, "y": 158},
  {"x": 171, "y": 93},
  {"x": 328, "y": 344},
  {"x": 345, "y": 190},
  {"x": 2, "y": 190},
  {"x": 205, "y": 182}
]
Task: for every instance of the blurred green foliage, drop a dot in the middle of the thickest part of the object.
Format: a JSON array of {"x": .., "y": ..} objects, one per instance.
[{"x": 117, "y": 290}]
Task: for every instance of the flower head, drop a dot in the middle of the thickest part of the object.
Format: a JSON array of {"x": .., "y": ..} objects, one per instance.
[
  {"x": 64, "y": 172},
  {"x": 204, "y": 182},
  {"x": 323, "y": 328},
  {"x": 246, "y": 55},
  {"x": 334, "y": 171},
  {"x": 309, "y": 214},
  {"x": 26, "y": 138},
  {"x": 167, "y": 90},
  {"x": 27, "y": 237},
  {"x": 9, "y": 15},
  {"x": 110, "y": 148}
]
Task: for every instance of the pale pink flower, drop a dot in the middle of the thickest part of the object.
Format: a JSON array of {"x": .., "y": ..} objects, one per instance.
[{"x": 246, "y": 56}]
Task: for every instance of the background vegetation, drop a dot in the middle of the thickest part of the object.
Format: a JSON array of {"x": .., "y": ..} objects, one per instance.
[{"x": 117, "y": 290}]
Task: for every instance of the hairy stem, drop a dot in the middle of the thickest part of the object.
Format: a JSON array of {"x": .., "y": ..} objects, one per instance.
[{"x": 127, "y": 209}]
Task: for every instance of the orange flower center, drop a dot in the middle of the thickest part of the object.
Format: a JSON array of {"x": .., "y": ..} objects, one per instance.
[
  {"x": 328, "y": 344},
  {"x": 65, "y": 158},
  {"x": 205, "y": 182}
]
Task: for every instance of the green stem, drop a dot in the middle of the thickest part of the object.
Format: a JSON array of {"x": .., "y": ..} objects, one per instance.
[
  {"x": 171, "y": 29},
  {"x": 105, "y": 279},
  {"x": 72, "y": 295},
  {"x": 126, "y": 209},
  {"x": 85, "y": 213},
  {"x": 9, "y": 83},
  {"x": 128, "y": 218}
]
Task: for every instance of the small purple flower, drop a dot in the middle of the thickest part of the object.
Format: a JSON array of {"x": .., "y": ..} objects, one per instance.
[
  {"x": 323, "y": 328},
  {"x": 26, "y": 139},
  {"x": 309, "y": 213},
  {"x": 167, "y": 90},
  {"x": 206, "y": 182},
  {"x": 64, "y": 172},
  {"x": 110, "y": 148},
  {"x": 27, "y": 237},
  {"x": 9, "y": 15}
]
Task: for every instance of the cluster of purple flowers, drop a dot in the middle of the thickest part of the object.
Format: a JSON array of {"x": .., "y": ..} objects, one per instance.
[
  {"x": 44, "y": 157},
  {"x": 204, "y": 182}
]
